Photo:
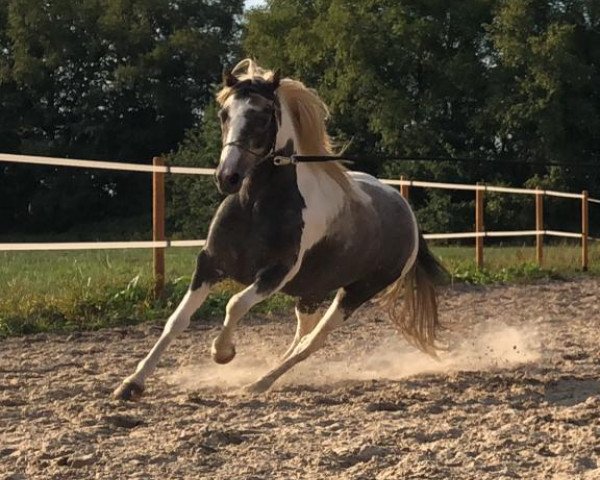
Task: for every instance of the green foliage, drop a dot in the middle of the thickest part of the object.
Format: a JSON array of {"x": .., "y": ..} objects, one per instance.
[
  {"x": 524, "y": 272},
  {"x": 403, "y": 77},
  {"x": 192, "y": 200},
  {"x": 90, "y": 290},
  {"x": 494, "y": 79},
  {"x": 107, "y": 79}
]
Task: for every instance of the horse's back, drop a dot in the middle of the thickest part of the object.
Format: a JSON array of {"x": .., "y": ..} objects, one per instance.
[{"x": 397, "y": 220}]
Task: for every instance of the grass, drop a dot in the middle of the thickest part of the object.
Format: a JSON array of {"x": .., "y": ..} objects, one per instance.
[
  {"x": 66, "y": 291},
  {"x": 505, "y": 264}
]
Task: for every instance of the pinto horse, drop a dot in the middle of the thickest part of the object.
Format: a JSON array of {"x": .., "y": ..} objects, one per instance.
[{"x": 305, "y": 229}]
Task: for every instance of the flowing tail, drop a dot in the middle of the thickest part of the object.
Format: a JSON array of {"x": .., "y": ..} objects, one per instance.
[{"x": 416, "y": 317}]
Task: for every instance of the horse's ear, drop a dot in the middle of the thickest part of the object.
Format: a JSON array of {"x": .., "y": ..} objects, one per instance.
[
  {"x": 229, "y": 79},
  {"x": 276, "y": 79}
]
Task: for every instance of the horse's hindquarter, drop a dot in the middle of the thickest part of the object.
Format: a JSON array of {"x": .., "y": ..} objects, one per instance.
[
  {"x": 398, "y": 226},
  {"x": 375, "y": 236}
]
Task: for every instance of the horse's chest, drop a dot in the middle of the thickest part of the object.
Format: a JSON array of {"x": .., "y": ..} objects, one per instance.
[{"x": 250, "y": 238}]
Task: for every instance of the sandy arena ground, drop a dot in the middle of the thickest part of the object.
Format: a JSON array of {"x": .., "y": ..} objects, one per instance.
[{"x": 517, "y": 396}]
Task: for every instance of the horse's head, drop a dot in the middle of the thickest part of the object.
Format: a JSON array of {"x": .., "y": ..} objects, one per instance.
[{"x": 249, "y": 123}]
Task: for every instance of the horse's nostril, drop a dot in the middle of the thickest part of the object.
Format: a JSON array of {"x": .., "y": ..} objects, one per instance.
[{"x": 233, "y": 179}]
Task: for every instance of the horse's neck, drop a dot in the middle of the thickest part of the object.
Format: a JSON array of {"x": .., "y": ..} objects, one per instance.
[
  {"x": 267, "y": 181},
  {"x": 313, "y": 184}
]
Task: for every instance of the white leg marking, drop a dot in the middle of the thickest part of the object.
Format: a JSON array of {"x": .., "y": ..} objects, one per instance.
[
  {"x": 177, "y": 323},
  {"x": 306, "y": 324},
  {"x": 310, "y": 343},
  {"x": 223, "y": 349}
]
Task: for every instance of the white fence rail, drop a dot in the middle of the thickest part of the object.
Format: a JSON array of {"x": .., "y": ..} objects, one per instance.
[
  {"x": 94, "y": 164},
  {"x": 159, "y": 169},
  {"x": 484, "y": 188},
  {"x": 31, "y": 247}
]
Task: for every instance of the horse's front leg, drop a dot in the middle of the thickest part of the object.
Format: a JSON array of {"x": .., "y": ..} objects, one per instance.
[
  {"x": 268, "y": 281},
  {"x": 133, "y": 386}
]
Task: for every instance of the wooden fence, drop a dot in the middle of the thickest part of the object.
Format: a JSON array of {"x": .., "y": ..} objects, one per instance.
[{"x": 160, "y": 242}]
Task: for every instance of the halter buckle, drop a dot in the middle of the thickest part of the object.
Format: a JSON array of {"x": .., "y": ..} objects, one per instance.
[{"x": 280, "y": 161}]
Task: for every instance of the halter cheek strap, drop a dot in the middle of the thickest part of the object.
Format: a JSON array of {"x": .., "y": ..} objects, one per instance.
[{"x": 270, "y": 152}]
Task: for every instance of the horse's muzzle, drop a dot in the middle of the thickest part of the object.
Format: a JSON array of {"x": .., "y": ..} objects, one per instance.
[{"x": 228, "y": 180}]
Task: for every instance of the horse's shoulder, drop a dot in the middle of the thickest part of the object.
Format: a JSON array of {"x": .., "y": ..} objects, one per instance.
[{"x": 266, "y": 220}]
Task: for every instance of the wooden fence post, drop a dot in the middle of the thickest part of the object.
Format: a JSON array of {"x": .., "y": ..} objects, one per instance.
[
  {"x": 539, "y": 226},
  {"x": 158, "y": 226},
  {"x": 404, "y": 189},
  {"x": 479, "y": 227},
  {"x": 585, "y": 230}
]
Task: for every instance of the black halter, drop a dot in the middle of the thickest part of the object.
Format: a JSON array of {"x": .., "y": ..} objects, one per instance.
[{"x": 241, "y": 146}]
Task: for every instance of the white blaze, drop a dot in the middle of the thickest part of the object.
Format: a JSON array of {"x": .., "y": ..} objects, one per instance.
[{"x": 236, "y": 111}]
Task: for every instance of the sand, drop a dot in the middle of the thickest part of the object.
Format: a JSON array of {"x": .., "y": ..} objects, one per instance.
[{"x": 516, "y": 395}]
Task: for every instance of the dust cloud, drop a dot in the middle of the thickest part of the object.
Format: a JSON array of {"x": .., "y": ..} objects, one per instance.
[{"x": 489, "y": 346}]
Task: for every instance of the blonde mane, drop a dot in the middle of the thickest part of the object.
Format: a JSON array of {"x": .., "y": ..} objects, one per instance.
[{"x": 309, "y": 115}]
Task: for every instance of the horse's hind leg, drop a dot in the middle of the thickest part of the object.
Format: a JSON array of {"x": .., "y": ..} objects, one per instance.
[
  {"x": 333, "y": 318},
  {"x": 307, "y": 316},
  {"x": 133, "y": 386},
  {"x": 347, "y": 300}
]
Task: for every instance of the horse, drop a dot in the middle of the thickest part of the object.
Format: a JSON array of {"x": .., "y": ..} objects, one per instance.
[{"x": 305, "y": 229}]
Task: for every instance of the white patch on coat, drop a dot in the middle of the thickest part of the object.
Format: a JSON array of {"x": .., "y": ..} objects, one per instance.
[
  {"x": 375, "y": 182},
  {"x": 324, "y": 200},
  {"x": 370, "y": 179},
  {"x": 323, "y": 197},
  {"x": 285, "y": 132}
]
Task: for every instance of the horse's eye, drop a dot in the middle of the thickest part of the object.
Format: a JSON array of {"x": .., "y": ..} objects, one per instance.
[
  {"x": 263, "y": 118},
  {"x": 223, "y": 115}
]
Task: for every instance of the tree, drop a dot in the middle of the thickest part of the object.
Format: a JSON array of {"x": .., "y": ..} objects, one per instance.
[
  {"x": 483, "y": 79},
  {"x": 192, "y": 200},
  {"x": 546, "y": 106},
  {"x": 109, "y": 79},
  {"x": 547, "y": 62}
]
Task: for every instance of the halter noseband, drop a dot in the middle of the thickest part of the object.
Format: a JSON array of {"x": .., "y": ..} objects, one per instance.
[{"x": 241, "y": 146}]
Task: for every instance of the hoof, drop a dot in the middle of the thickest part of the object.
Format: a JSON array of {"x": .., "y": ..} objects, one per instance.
[
  {"x": 257, "y": 387},
  {"x": 222, "y": 355},
  {"x": 128, "y": 391}
]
